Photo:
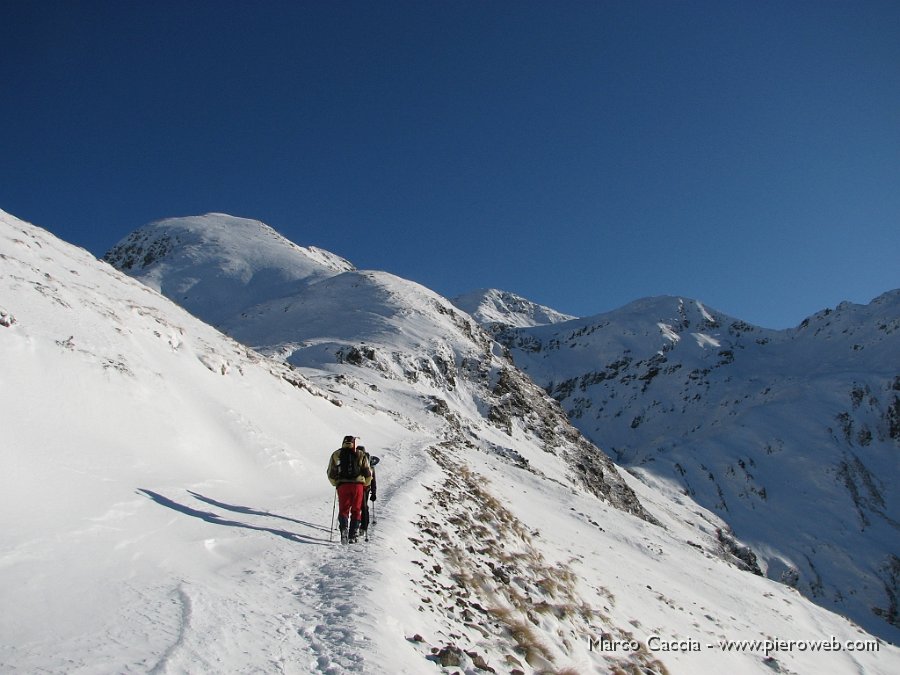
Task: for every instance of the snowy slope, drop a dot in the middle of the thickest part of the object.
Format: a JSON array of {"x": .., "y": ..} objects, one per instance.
[
  {"x": 162, "y": 483},
  {"x": 394, "y": 335},
  {"x": 493, "y": 306},
  {"x": 791, "y": 436},
  {"x": 165, "y": 510}
]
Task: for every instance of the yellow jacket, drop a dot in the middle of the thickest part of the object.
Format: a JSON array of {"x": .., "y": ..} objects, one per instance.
[{"x": 361, "y": 473}]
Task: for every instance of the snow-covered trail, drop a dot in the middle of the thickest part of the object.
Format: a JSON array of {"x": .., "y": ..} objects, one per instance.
[
  {"x": 288, "y": 597},
  {"x": 338, "y": 615}
]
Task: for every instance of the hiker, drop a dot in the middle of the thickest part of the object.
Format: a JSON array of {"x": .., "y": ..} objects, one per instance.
[
  {"x": 348, "y": 471},
  {"x": 369, "y": 492}
]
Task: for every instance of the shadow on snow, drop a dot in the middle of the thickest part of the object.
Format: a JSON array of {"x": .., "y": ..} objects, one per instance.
[
  {"x": 215, "y": 519},
  {"x": 254, "y": 512}
]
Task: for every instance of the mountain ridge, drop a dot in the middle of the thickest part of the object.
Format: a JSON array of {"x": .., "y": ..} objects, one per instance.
[
  {"x": 728, "y": 410},
  {"x": 493, "y": 306}
]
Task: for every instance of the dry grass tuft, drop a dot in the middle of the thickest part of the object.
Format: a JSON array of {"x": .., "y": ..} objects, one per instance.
[{"x": 527, "y": 643}]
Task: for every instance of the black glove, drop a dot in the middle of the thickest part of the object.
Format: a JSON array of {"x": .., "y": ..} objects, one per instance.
[{"x": 372, "y": 496}]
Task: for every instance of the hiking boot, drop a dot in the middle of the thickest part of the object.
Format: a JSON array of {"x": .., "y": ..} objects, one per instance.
[{"x": 344, "y": 537}]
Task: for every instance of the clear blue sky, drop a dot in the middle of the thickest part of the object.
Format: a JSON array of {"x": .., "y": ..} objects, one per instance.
[{"x": 582, "y": 154}]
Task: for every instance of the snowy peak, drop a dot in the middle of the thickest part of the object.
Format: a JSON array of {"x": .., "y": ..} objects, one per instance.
[
  {"x": 643, "y": 330},
  {"x": 670, "y": 319},
  {"x": 244, "y": 277},
  {"x": 215, "y": 265},
  {"x": 492, "y": 306},
  {"x": 237, "y": 243}
]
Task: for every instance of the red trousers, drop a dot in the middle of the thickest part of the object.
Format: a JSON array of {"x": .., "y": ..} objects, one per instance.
[{"x": 350, "y": 496}]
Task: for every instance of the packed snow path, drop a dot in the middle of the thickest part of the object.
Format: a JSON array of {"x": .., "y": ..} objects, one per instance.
[{"x": 299, "y": 601}]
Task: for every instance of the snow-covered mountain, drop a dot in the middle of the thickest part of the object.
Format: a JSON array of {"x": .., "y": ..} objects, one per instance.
[
  {"x": 337, "y": 322},
  {"x": 205, "y": 264},
  {"x": 493, "y": 308},
  {"x": 792, "y": 437},
  {"x": 166, "y": 508}
]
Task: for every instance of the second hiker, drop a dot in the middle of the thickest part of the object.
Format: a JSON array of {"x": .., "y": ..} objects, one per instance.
[
  {"x": 369, "y": 492},
  {"x": 348, "y": 471}
]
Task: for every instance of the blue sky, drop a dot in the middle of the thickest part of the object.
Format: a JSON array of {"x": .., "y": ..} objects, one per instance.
[{"x": 582, "y": 154}]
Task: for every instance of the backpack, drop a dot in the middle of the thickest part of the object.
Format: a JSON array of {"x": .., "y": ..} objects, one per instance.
[{"x": 348, "y": 465}]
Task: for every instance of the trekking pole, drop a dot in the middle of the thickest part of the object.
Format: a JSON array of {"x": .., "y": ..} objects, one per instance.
[{"x": 333, "y": 508}]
